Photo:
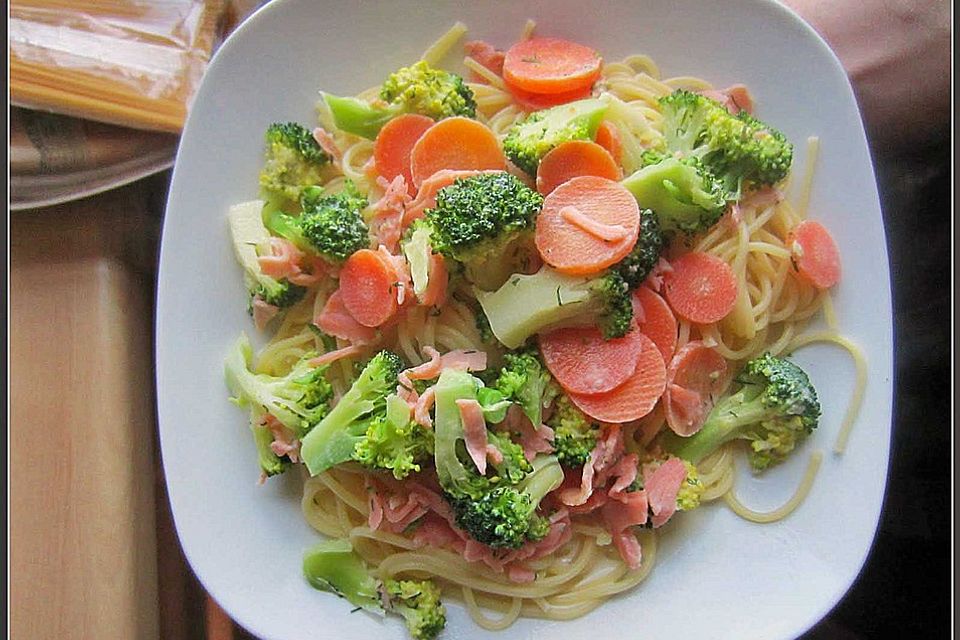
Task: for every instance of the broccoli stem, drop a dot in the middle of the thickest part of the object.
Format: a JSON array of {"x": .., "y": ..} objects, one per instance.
[
  {"x": 547, "y": 475},
  {"x": 724, "y": 424},
  {"x": 417, "y": 251},
  {"x": 491, "y": 273},
  {"x": 526, "y": 304},
  {"x": 683, "y": 197},
  {"x": 324, "y": 447},
  {"x": 248, "y": 388},
  {"x": 357, "y": 116},
  {"x": 282, "y": 224},
  {"x": 270, "y": 463},
  {"x": 333, "y": 566}
]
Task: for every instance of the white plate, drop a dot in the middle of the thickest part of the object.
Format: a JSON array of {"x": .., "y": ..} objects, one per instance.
[{"x": 717, "y": 576}]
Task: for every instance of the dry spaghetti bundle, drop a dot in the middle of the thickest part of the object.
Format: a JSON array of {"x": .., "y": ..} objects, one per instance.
[{"x": 125, "y": 62}]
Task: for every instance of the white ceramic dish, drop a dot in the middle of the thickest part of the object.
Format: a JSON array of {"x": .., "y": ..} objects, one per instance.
[{"x": 717, "y": 576}]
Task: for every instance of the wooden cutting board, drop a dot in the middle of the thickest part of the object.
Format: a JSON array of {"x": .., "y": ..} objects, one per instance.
[{"x": 82, "y": 509}]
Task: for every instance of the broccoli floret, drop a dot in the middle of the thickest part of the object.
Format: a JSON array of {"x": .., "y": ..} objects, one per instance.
[
  {"x": 684, "y": 194},
  {"x": 363, "y": 407},
  {"x": 514, "y": 466},
  {"x": 416, "y": 89},
  {"x": 248, "y": 235},
  {"x": 737, "y": 149},
  {"x": 527, "y": 304},
  {"x": 418, "y": 601},
  {"x": 454, "y": 476},
  {"x": 334, "y": 566},
  {"x": 329, "y": 225},
  {"x": 493, "y": 403},
  {"x": 691, "y": 490},
  {"x": 689, "y": 493},
  {"x": 270, "y": 463},
  {"x": 574, "y": 434},
  {"x": 525, "y": 380},
  {"x": 708, "y": 157},
  {"x": 299, "y": 399},
  {"x": 332, "y": 224},
  {"x": 499, "y": 511},
  {"x": 294, "y": 161},
  {"x": 749, "y": 149},
  {"x": 645, "y": 253},
  {"x": 279, "y": 293},
  {"x": 485, "y": 223},
  {"x": 531, "y": 138},
  {"x": 506, "y": 516},
  {"x": 457, "y": 478},
  {"x": 393, "y": 442},
  {"x": 475, "y": 217},
  {"x": 431, "y": 92},
  {"x": 776, "y": 408}
]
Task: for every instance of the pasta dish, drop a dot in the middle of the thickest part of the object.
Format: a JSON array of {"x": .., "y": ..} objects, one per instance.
[{"x": 520, "y": 320}]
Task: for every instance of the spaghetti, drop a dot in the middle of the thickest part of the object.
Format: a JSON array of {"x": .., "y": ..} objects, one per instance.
[
  {"x": 771, "y": 314},
  {"x": 129, "y": 63}
]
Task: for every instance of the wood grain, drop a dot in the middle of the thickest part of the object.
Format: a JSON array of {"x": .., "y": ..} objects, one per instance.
[
  {"x": 82, "y": 520},
  {"x": 219, "y": 626}
]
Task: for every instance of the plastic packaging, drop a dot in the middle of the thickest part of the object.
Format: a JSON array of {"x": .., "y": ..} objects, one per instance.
[
  {"x": 127, "y": 62},
  {"x": 54, "y": 157}
]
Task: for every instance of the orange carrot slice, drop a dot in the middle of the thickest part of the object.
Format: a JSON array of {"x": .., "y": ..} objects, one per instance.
[
  {"x": 367, "y": 287},
  {"x": 551, "y": 65},
  {"x": 391, "y": 152},
  {"x": 455, "y": 143},
  {"x": 538, "y": 101},
  {"x": 700, "y": 288},
  {"x": 633, "y": 399},
  {"x": 695, "y": 376},
  {"x": 814, "y": 254},
  {"x": 698, "y": 368},
  {"x": 609, "y": 138},
  {"x": 583, "y": 362},
  {"x": 570, "y": 248},
  {"x": 655, "y": 320},
  {"x": 574, "y": 158}
]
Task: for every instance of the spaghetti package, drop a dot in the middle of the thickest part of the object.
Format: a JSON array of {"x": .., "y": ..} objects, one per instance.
[
  {"x": 135, "y": 63},
  {"x": 107, "y": 86}
]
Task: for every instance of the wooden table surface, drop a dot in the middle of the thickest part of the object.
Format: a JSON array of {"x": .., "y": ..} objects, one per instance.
[{"x": 93, "y": 551}]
